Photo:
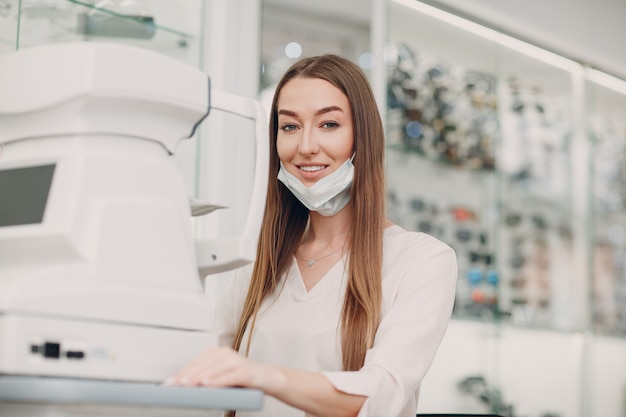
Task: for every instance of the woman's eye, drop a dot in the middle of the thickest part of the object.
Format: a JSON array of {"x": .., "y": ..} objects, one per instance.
[
  {"x": 329, "y": 125},
  {"x": 288, "y": 128}
]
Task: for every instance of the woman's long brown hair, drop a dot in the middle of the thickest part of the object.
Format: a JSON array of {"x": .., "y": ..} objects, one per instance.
[{"x": 285, "y": 218}]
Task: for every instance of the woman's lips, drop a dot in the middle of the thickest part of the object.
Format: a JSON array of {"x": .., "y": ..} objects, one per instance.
[{"x": 311, "y": 172}]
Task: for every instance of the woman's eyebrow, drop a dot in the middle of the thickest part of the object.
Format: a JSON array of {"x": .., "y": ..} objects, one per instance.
[
  {"x": 317, "y": 113},
  {"x": 328, "y": 110},
  {"x": 288, "y": 113}
]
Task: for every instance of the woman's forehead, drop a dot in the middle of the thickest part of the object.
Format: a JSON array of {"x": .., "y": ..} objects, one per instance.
[{"x": 310, "y": 92}]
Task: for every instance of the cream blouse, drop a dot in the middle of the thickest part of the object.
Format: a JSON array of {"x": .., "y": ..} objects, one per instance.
[{"x": 299, "y": 329}]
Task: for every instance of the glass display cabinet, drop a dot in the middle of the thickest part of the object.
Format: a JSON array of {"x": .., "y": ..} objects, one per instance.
[
  {"x": 479, "y": 155},
  {"x": 514, "y": 156},
  {"x": 156, "y": 25}
]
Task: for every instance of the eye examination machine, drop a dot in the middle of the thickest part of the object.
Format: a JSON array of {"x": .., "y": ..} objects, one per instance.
[{"x": 101, "y": 278}]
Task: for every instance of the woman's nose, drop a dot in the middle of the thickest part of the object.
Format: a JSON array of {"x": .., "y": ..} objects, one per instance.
[{"x": 308, "y": 142}]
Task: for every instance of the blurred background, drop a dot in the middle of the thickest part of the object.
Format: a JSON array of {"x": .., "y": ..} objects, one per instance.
[{"x": 506, "y": 129}]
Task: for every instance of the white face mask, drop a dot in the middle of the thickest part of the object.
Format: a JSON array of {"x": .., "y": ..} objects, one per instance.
[{"x": 327, "y": 196}]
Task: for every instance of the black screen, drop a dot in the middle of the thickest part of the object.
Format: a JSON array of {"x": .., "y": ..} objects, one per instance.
[{"x": 24, "y": 193}]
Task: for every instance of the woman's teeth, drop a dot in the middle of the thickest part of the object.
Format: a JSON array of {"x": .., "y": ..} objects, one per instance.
[{"x": 312, "y": 168}]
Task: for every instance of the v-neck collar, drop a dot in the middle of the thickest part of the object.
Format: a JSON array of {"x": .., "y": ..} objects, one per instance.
[{"x": 330, "y": 281}]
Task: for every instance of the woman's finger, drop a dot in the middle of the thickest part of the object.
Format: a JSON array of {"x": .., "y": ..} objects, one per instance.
[{"x": 211, "y": 358}]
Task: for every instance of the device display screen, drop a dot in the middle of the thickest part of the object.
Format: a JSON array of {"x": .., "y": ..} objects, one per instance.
[{"x": 24, "y": 194}]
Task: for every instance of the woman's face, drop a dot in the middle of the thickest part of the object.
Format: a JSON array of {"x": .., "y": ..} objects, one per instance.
[{"x": 315, "y": 135}]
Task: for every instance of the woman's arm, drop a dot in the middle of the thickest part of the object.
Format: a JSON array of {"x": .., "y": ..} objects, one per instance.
[
  {"x": 311, "y": 392},
  {"x": 419, "y": 288}
]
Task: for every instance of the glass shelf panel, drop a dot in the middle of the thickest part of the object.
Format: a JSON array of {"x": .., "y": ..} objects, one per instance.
[
  {"x": 607, "y": 130},
  {"x": 536, "y": 226},
  {"x": 173, "y": 29}
]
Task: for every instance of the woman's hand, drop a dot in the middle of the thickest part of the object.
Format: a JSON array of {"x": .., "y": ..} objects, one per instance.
[
  {"x": 224, "y": 367},
  {"x": 308, "y": 391}
]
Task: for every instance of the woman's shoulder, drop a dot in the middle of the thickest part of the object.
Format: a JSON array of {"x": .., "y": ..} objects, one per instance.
[
  {"x": 399, "y": 240},
  {"x": 405, "y": 250},
  {"x": 418, "y": 255}
]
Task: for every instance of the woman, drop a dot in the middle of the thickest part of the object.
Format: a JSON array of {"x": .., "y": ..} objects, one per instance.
[{"x": 343, "y": 311}]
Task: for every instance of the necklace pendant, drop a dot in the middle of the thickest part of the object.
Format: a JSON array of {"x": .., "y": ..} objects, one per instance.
[{"x": 310, "y": 262}]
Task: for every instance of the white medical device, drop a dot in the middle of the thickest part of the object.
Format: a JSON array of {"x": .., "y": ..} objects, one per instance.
[{"x": 100, "y": 277}]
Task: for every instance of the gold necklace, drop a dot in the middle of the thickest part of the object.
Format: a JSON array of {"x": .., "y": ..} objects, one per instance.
[{"x": 311, "y": 262}]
